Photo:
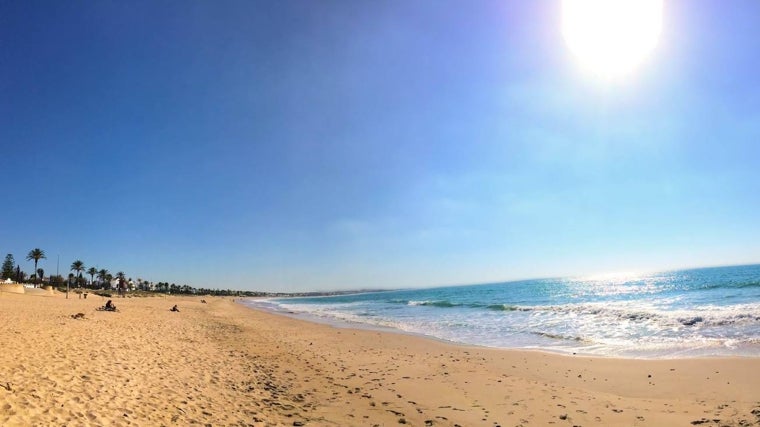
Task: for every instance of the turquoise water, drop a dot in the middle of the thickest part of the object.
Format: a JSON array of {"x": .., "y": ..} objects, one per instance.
[{"x": 699, "y": 312}]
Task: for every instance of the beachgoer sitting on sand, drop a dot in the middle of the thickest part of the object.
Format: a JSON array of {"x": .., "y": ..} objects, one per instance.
[
  {"x": 203, "y": 301},
  {"x": 109, "y": 306},
  {"x": 175, "y": 308}
]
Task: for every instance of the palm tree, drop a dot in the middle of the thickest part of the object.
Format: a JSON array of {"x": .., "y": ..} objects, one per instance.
[
  {"x": 36, "y": 254},
  {"x": 78, "y": 266},
  {"x": 92, "y": 271}
]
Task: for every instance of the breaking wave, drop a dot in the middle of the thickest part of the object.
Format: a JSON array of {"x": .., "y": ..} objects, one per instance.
[{"x": 716, "y": 318}]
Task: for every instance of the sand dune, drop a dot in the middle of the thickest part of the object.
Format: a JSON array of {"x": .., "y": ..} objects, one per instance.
[{"x": 224, "y": 364}]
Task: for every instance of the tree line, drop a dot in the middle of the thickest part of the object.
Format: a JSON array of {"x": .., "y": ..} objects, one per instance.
[{"x": 105, "y": 279}]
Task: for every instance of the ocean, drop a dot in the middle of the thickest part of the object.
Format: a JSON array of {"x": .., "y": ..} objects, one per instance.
[{"x": 682, "y": 313}]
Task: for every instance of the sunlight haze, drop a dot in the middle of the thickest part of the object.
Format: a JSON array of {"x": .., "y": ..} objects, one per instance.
[
  {"x": 611, "y": 37},
  {"x": 297, "y": 145}
]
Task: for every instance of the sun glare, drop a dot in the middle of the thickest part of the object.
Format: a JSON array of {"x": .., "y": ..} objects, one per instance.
[{"x": 611, "y": 37}]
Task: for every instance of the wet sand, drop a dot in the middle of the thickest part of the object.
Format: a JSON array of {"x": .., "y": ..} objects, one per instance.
[{"x": 224, "y": 364}]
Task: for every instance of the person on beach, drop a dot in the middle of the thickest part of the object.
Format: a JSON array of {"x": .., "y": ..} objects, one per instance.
[
  {"x": 175, "y": 308},
  {"x": 109, "y": 306}
]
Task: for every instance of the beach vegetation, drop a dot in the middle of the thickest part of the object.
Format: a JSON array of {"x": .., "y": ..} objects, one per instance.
[
  {"x": 103, "y": 277},
  {"x": 140, "y": 287},
  {"x": 8, "y": 267},
  {"x": 92, "y": 271},
  {"x": 57, "y": 280},
  {"x": 78, "y": 267},
  {"x": 35, "y": 255}
]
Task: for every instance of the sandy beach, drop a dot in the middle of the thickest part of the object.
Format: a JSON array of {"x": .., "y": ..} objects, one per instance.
[{"x": 224, "y": 364}]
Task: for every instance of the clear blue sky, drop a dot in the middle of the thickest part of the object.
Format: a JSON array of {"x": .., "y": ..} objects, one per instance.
[{"x": 307, "y": 145}]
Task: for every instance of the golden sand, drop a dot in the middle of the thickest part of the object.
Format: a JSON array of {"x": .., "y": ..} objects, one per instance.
[{"x": 224, "y": 364}]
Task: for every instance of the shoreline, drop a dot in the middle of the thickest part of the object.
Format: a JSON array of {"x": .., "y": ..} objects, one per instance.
[
  {"x": 225, "y": 363},
  {"x": 690, "y": 353}
]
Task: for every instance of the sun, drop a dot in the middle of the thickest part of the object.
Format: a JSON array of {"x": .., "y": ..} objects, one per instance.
[{"x": 611, "y": 37}]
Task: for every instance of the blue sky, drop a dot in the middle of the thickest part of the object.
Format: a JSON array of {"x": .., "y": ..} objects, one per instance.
[{"x": 306, "y": 145}]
